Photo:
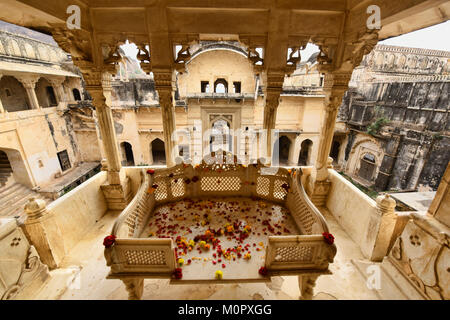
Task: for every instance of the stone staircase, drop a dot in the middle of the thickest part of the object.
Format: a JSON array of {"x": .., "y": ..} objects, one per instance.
[
  {"x": 13, "y": 198},
  {"x": 5, "y": 170}
]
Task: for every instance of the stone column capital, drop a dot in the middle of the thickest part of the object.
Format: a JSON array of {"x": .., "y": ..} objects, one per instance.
[
  {"x": 29, "y": 82},
  {"x": 58, "y": 81}
]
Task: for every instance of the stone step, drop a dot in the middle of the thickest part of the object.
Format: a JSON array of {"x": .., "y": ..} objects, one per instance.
[
  {"x": 14, "y": 197},
  {"x": 5, "y": 171},
  {"x": 6, "y": 190}
]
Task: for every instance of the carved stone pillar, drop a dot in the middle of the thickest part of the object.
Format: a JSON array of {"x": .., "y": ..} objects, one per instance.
[
  {"x": 386, "y": 209},
  {"x": 335, "y": 87},
  {"x": 163, "y": 84},
  {"x": 29, "y": 83},
  {"x": 273, "y": 91},
  {"x": 306, "y": 285},
  {"x": 60, "y": 94},
  {"x": 117, "y": 192},
  {"x": 135, "y": 288}
]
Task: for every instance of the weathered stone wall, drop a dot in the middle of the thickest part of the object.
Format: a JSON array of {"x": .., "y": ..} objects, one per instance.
[{"x": 407, "y": 111}]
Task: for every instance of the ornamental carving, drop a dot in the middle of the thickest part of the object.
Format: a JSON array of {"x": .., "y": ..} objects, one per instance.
[
  {"x": 144, "y": 58},
  {"x": 254, "y": 56},
  {"x": 363, "y": 46}
]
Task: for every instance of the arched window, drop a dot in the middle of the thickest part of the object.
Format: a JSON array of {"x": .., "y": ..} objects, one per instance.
[
  {"x": 76, "y": 94},
  {"x": 220, "y": 86}
]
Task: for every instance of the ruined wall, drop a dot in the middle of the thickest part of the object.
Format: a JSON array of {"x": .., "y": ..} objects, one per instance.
[{"x": 406, "y": 109}]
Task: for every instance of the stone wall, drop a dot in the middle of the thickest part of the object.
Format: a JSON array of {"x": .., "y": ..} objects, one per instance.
[{"x": 400, "y": 98}]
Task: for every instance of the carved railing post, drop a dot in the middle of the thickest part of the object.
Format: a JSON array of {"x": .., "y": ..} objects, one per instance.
[
  {"x": 386, "y": 209},
  {"x": 163, "y": 84},
  {"x": 43, "y": 232}
]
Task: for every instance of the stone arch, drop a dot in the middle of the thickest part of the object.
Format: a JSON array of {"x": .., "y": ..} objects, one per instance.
[
  {"x": 304, "y": 157},
  {"x": 127, "y": 153},
  {"x": 16, "y": 162},
  {"x": 45, "y": 93},
  {"x": 364, "y": 145},
  {"x": 13, "y": 95},
  {"x": 158, "y": 152}
]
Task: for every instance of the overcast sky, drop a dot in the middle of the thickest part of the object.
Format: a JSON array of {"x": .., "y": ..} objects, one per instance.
[{"x": 434, "y": 37}]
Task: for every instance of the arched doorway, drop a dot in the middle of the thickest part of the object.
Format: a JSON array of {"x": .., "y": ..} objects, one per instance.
[
  {"x": 158, "y": 152},
  {"x": 5, "y": 169},
  {"x": 127, "y": 154},
  {"x": 334, "y": 152},
  {"x": 220, "y": 138},
  {"x": 14, "y": 169},
  {"x": 45, "y": 94},
  {"x": 281, "y": 148},
  {"x": 13, "y": 95},
  {"x": 305, "y": 153}
]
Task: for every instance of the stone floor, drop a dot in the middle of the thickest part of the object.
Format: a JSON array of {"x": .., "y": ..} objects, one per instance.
[{"x": 83, "y": 276}]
